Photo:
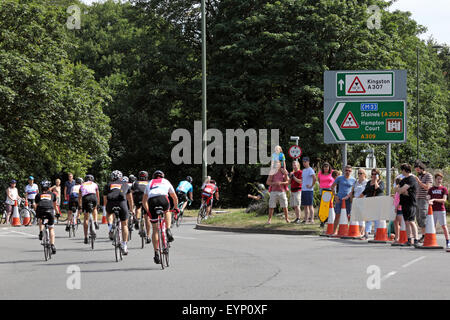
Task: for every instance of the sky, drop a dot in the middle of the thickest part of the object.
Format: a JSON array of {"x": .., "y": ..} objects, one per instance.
[{"x": 433, "y": 14}]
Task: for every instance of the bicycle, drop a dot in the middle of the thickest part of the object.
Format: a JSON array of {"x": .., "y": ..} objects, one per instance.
[
  {"x": 202, "y": 212},
  {"x": 24, "y": 211},
  {"x": 130, "y": 224},
  {"x": 117, "y": 237},
  {"x": 74, "y": 223},
  {"x": 46, "y": 241},
  {"x": 91, "y": 228},
  {"x": 142, "y": 229},
  {"x": 2, "y": 213},
  {"x": 163, "y": 244}
]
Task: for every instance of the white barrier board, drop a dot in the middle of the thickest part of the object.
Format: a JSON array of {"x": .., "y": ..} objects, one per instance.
[{"x": 373, "y": 208}]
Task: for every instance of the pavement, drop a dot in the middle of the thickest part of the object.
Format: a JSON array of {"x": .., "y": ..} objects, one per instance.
[{"x": 214, "y": 265}]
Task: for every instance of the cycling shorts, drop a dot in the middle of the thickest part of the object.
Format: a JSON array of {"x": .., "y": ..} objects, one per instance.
[
  {"x": 208, "y": 199},
  {"x": 89, "y": 198},
  {"x": 137, "y": 199},
  {"x": 123, "y": 213},
  {"x": 73, "y": 205},
  {"x": 45, "y": 213},
  {"x": 182, "y": 196},
  {"x": 158, "y": 201}
]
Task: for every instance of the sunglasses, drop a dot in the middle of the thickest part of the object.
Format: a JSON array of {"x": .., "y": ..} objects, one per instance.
[
  {"x": 348, "y": 170},
  {"x": 360, "y": 172},
  {"x": 374, "y": 173}
]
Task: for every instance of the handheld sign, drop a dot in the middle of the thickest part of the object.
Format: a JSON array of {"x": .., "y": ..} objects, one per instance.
[{"x": 295, "y": 152}]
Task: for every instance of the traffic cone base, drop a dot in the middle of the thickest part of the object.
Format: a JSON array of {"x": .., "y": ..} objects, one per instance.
[
  {"x": 330, "y": 223},
  {"x": 343, "y": 222},
  {"x": 381, "y": 235},
  {"x": 429, "y": 242},
  {"x": 15, "y": 222}
]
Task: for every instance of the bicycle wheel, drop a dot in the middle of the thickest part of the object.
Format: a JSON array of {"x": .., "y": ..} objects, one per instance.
[
  {"x": 91, "y": 234},
  {"x": 201, "y": 214},
  {"x": 116, "y": 246},
  {"x": 3, "y": 217},
  {"x": 180, "y": 218},
  {"x": 142, "y": 233},
  {"x": 161, "y": 246}
]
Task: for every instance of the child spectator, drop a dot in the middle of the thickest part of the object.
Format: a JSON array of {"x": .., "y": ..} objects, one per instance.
[
  {"x": 278, "y": 156},
  {"x": 438, "y": 195}
]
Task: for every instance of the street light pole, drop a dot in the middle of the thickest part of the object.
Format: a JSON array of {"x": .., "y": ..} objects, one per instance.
[
  {"x": 418, "y": 155},
  {"x": 204, "y": 138}
]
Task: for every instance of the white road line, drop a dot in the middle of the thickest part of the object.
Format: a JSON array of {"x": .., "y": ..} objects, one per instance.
[
  {"x": 185, "y": 237},
  {"x": 27, "y": 234},
  {"x": 413, "y": 261}
]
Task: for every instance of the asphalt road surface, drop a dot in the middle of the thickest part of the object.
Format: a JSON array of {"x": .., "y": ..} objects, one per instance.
[{"x": 219, "y": 265}]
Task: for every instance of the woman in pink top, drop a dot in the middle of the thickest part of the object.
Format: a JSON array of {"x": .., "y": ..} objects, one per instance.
[{"x": 325, "y": 178}]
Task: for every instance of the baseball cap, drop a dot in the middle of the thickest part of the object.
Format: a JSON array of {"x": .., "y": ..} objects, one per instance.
[
  {"x": 305, "y": 159},
  {"x": 30, "y": 178},
  {"x": 13, "y": 181}
]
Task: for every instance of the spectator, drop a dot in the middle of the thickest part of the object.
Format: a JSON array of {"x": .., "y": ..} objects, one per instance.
[
  {"x": 56, "y": 189},
  {"x": 358, "y": 189},
  {"x": 31, "y": 190},
  {"x": 438, "y": 195},
  {"x": 308, "y": 182},
  {"x": 295, "y": 179},
  {"x": 374, "y": 188},
  {"x": 262, "y": 193},
  {"x": 425, "y": 182},
  {"x": 398, "y": 211},
  {"x": 343, "y": 185},
  {"x": 334, "y": 175},
  {"x": 278, "y": 157},
  {"x": 278, "y": 185},
  {"x": 68, "y": 186},
  {"x": 325, "y": 178},
  {"x": 407, "y": 188},
  {"x": 12, "y": 195}
]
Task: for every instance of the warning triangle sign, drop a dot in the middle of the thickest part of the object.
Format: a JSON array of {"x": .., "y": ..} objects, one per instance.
[
  {"x": 350, "y": 122},
  {"x": 356, "y": 86}
]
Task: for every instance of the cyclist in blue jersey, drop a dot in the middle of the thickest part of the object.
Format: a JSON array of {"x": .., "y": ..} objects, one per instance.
[{"x": 185, "y": 192}]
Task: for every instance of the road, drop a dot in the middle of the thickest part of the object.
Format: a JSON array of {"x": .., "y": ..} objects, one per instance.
[{"x": 220, "y": 265}]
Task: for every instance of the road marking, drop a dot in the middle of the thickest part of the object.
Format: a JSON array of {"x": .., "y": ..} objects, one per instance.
[
  {"x": 413, "y": 261},
  {"x": 27, "y": 234},
  {"x": 186, "y": 238}
]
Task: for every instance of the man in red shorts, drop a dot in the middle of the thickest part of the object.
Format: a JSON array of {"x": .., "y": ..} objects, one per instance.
[{"x": 208, "y": 191}]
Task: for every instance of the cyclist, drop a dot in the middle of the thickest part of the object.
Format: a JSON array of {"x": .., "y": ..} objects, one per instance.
[
  {"x": 88, "y": 194},
  {"x": 156, "y": 196},
  {"x": 116, "y": 194},
  {"x": 131, "y": 179},
  {"x": 185, "y": 191},
  {"x": 73, "y": 202},
  {"x": 31, "y": 190},
  {"x": 138, "y": 190},
  {"x": 208, "y": 191},
  {"x": 45, "y": 204}
]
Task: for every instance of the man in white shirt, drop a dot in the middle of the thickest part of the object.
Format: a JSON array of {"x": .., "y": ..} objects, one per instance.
[{"x": 308, "y": 182}]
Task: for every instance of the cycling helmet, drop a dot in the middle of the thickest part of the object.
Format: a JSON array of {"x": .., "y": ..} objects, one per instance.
[
  {"x": 132, "y": 178},
  {"x": 158, "y": 173},
  {"x": 89, "y": 177},
  {"x": 125, "y": 179},
  {"x": 78, "y": 181},
  {"x": 212, "y": 181},
  {"x": 116, "y": 175},
  {"x": 46, "y": 184},
  {"x": 189, "y": 179},
  {"x": 30, "y": 178},
  {"x": 261, "y": 186},
  {"x": 143, "y": 175}
]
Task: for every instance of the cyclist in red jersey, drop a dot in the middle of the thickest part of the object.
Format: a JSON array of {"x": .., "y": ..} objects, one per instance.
[{"x": 208, "y": 191}]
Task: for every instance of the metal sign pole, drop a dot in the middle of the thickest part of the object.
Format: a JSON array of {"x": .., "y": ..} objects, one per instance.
[{"x": 388, "y": 170}]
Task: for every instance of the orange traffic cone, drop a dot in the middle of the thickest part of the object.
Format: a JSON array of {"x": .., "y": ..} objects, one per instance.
[
  {"x": 403, "y": 236},
  {"x": 330, "y": 222},
  {"x": 343, "y": 222},
  {"x": 104, "y": 221},
  {"x": 381, "y": 235},
  {"x": 15, "y": 222},
  {"x": 353, "y": 231},
  {"x": 27, "y": 218},
  {"x": 429, "y": 242}
]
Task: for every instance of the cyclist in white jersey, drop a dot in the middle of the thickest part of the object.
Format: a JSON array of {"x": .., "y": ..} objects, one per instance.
[{"x": 156, "y": 195}]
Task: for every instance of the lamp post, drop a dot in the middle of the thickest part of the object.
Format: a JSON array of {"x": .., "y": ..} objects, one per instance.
[{"x": 204, "y": 138}]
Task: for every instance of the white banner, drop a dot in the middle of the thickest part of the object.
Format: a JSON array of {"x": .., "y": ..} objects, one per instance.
[{"x": 373, "y": 208}]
